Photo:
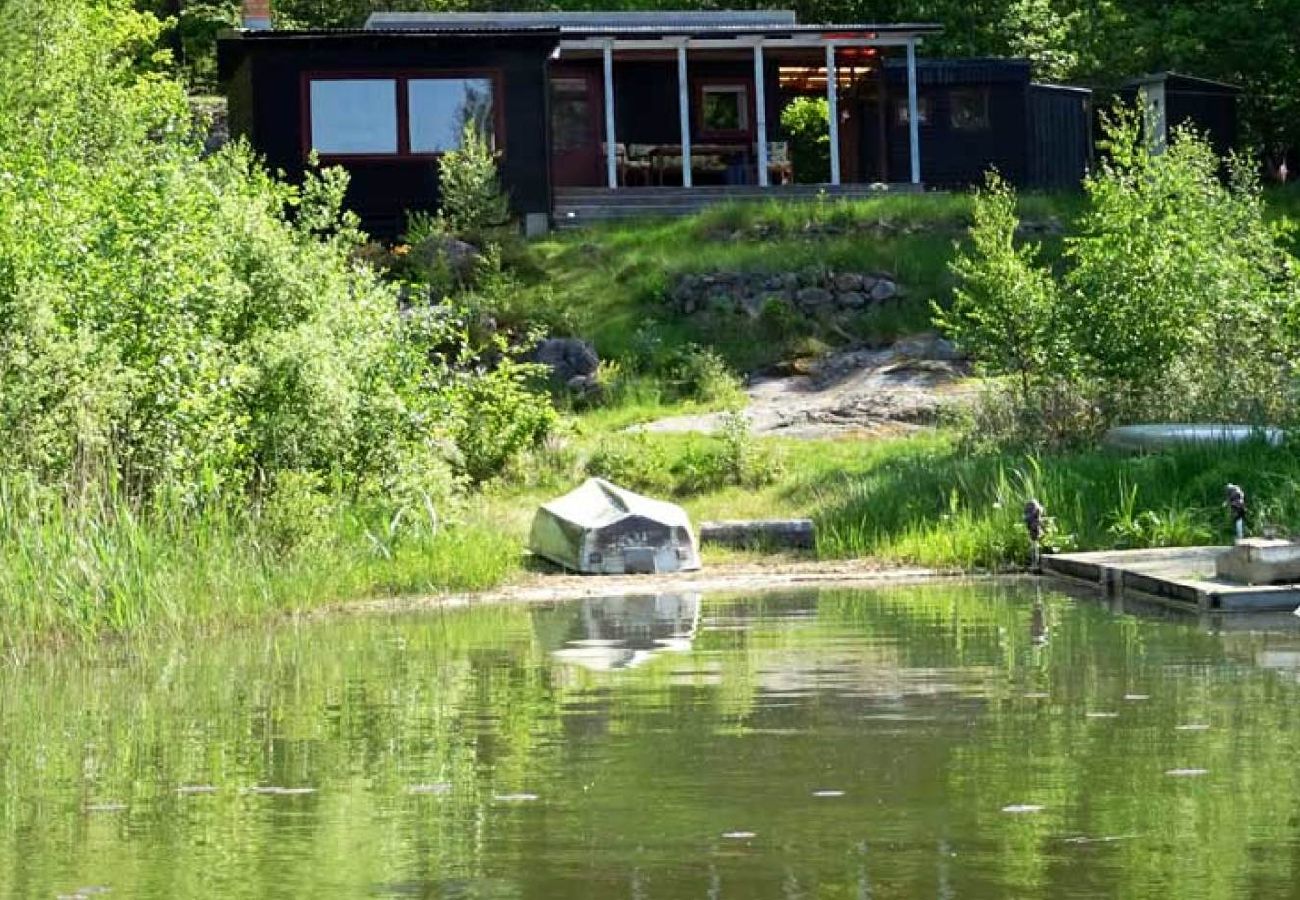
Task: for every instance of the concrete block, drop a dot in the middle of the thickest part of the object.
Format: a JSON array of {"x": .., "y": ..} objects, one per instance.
[{"x": 1260, "y": 561}]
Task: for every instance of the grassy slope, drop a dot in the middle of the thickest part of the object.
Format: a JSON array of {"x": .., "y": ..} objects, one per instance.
[{"x": 612, "y": 276}]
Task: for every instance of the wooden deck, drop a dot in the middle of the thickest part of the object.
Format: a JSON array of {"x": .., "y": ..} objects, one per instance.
[{"x": 576, "y": 207}]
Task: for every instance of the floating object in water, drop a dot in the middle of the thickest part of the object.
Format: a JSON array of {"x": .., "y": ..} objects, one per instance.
[
  {"x": 828, "y": 793},
  {"x": 436, "y": 788},
  {"x": 1158, "y": 437},
  {"x": 1102, "y": 715},
  {"x": 1193, "y": 726},
  {"x": 739, "y": 835},
  {"x": 277, "y": 791},
  {"x": 1187, "y": 773},
  {"x": 1133, "y": 697},
  {"x": 196, "y": 789},
  {"x": 603, "y": 529},
  {"x": 1036, "y": 695},
  {"x": 1020, "y": 808},
  {"x": 514, "y": 798}
]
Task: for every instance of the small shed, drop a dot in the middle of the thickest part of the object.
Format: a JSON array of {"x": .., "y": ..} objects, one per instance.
[
  {"x": 1171, "y": 99},
  {"x": 987, "y": 113},
  {"x": 603, "y": 529}
]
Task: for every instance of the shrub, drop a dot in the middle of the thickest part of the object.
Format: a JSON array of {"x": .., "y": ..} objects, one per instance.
[
  {"x": 473, "y": 204},
  {"x": 632, "y": 461},
  {"x": 1176, "y": 301},
  {"x": 806, "y": 120},
  {"x": 494, "y": 415},
  {"x": 700, "y": 373}
]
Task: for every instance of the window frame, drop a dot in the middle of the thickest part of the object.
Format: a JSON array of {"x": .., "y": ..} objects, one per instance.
[
  {"x": 984, "y": 95},
  {"x": 402, "y": 79},
  {"x": 717, "y": 84},
  {"x": 924, "y": 111}
]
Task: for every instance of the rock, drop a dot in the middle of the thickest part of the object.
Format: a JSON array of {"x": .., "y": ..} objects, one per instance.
[
  {"x": 852, "y": 299},
  {"x": 442, "y": 251},
  {"x": 584, "y": 385},
  {"x": 928, "y": 346},
  {"x": 567, "y": 358},
  {"x": 752, "y": 305},
  {"x": 884, "y": 289},
  {"x": 847, "y": 282},
  {"x": 814, "y": 297}
]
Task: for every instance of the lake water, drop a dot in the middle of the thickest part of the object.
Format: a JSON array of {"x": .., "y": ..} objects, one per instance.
[{"x": 936, "y": 741}]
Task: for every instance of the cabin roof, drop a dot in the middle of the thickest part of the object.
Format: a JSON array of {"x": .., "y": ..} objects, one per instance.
[{"x": 698, "y": 23}]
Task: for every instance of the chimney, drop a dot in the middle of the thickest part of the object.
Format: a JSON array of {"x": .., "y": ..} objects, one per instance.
[{"x": 257, "y": 15}]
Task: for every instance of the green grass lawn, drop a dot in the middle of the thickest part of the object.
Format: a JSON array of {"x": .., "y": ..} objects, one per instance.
[{"x": 612, "y": 278}]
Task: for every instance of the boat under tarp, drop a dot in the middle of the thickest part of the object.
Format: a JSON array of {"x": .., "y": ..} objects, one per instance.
[{"x": 603, "y": 529}]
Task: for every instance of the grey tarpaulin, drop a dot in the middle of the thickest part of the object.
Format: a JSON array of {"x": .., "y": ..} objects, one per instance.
[{"x": 602, "y": 529}]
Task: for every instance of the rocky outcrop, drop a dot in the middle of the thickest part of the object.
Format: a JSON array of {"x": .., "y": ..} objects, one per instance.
[
  {"x": 573, "y": 362},
  {"x": 812, "y": 292}
]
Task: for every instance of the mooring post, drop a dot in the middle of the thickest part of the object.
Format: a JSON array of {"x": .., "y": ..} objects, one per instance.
[
  {"x": 1034, "y": 525},
  {"x": 1236, "y": 500}
]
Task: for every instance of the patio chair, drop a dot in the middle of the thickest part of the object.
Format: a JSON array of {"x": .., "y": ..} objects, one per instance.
[{"x": 780, "y": 169}]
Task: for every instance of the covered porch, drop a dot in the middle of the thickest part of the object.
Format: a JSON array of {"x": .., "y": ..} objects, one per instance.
[{"x": 673, "y": 114}]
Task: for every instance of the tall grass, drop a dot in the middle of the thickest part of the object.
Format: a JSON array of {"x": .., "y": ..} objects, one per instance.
[
  {"x": 937, "y": 506},
  {"x": 77, "y": 567}
]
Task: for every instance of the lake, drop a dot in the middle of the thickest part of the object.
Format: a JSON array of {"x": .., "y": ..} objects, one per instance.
[{"x": 982, "y": 740}]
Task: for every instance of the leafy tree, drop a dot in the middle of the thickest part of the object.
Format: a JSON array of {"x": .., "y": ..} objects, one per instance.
[{"x": 1006, "y": 306}]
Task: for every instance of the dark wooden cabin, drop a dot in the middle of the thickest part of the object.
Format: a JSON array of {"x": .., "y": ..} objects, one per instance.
[
  {"x": 636, "y": 112},
  {"x": 1170, "y": 100},
  {"x": 977, "y": 114}
]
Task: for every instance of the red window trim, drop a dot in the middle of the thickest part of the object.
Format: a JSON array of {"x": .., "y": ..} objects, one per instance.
[
  {"x": 706, "y": 134},
  {"x": 401, "y": 77}
]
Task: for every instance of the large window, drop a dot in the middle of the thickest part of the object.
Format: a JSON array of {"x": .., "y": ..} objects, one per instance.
[
  {"x": 724, "y": 110},
  {"x": 901, "y": 111},
  {"x": 415, "y": 115},
  {"x": 354, "y": 116},
  {"x": 441, "y": 107}
]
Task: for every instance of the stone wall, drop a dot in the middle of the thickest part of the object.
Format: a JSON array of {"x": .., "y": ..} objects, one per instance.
[{"x": 812, "y": 292}]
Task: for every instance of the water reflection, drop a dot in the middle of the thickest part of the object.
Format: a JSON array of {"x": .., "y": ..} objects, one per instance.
[
  {"x": 618, "y": 632},
  {"x": 941, "y": 740}
]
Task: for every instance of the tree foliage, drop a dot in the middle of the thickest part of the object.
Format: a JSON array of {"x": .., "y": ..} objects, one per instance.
[
  {"x": 1178, "y": 300},
  {"x": 181, "y": 321}
]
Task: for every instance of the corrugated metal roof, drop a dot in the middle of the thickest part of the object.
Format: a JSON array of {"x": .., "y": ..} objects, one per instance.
[
  {"x": 585, "y": 20},
  {"x": 639, "y": 23},
  {"x": 982, "y": 70},
  {"x": 458, "y": 30}
]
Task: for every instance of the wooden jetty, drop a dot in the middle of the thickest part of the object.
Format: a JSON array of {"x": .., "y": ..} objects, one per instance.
[{"x": 1177, "y": 576}]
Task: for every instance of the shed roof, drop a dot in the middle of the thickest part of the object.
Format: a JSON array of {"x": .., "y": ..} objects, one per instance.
[
  {"x": 975, "y": 70},
  {"x": 1194, "y": 82}
]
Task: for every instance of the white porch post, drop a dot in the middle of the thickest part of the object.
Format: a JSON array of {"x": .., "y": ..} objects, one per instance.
[
  {"x": 611, "y": 151},
  {"x": 833, "y": 102},
  {"x": 684, "y": 113},
  {"x": 913, "y": 126},
  {"x": 760, "y": 113}
]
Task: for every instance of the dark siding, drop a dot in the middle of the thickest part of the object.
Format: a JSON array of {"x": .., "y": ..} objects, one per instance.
[
  {"x": 1060, "y": 142},
  {"x": 1215, "y": 113},
  {"x": 382, "y": 192},
  {"x": 955, "y": 158}
]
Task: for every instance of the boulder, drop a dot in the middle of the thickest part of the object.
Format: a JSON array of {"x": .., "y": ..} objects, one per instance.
[
  {"x": 847, "y": 282},
  {"x": 444, "y": 252},
  {"x": 884, "y": 289},
  {"x": 814, "y": 297},
  {"x": 852, "y": 300},
  {"x": 567, "y": 358}
]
